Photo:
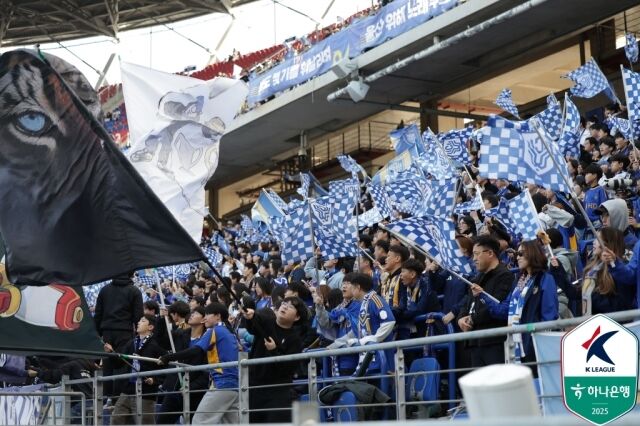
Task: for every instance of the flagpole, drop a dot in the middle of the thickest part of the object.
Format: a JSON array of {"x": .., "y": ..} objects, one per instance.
[
  {"x": 452, "y": 165},
  {"x": 164, "y": 306},
  {"x": 313, "y": 243},
  {"x": 421, "y": 250},
  {"x": 358, "y": 224},
  {"x": 567, "y": 183}
]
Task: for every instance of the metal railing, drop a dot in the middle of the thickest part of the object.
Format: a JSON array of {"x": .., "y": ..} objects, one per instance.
[{"x": 391, "y": 381}]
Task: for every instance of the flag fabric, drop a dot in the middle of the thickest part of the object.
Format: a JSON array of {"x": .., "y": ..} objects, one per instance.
[
  {"x": 222, "y": 244},
  {"x": 514, "y": 152},
  {"x": 213, "y": 255},
  {"x": 400, "y": 163},
  {"x": 406, "y": 138},
  {"x": 246, "y": 225},
  {"x": 569, "y": 141},
  {"x": 175, "y": 125},
  {"x": 617, "y": 124},
  {"x": 454, "y": 143},
  {"x": 266, "y": 208},
  {"x": 345, "y": 187},
  {"x": 631, "y": 84},
  {"x": 505, "y": 101},
  {"x": 435, "y": 161},
  {"x": 334, "y": 226},
  {"x": 406, "y": 193},
  {"x": 380, "y": 199},
  {"x": 305, "y": 182},
  {"x": 523, "y": 215},
  {"x": 350, "y": 165},
  {"x": 69, "y": 196},
  {"x": 551, "y": 117},
  {"x": 414, "y": 230},
  {"x": 475, "y": 204},
  {"x": 631, "y": 48},
  {"x": 369, "y": 218},
  {"x": 501, "y": 214},
  {"x": 441, "y": 200},
  {"x": 297, "y": 242},
  {"x": 589, "y": 81}
]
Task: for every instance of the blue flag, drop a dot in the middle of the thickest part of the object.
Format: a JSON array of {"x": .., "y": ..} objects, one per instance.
[
  {"x": 435, "y": 161},
  {"x": 440, "y": 201},
  {"x": 523, "y": 216},
  {"x": 406, "y": 193},
  {"x": 473, "y": 205},
  {"x": 505, "y": 101},
  {"x": 631, "y": 83},
  {"x": 400, "y": 163},
  {"x": 266, "y": 208},
  {"x": 589, "y": 81},
  {"x": 631, "y": 48},
  {"x": 551, "y": 117},
  {"x": 380, "y": 199},
  {"x": 297, "y": 241},
  {"x": 569, "y": 142},
  {"x": 514, "y": 152},
  {"x": 406, "y": 138},
  {"x": 350, "y": 165},
  {"x": 305, "y": 182},
  {"x": 454, "y": 143}
]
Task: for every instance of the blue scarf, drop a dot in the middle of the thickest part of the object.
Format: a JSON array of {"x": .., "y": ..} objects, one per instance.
[{"x": 516, "y": 305}]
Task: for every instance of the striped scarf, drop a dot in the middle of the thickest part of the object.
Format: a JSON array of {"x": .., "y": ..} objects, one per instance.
[{"x": 516, "y": 305}]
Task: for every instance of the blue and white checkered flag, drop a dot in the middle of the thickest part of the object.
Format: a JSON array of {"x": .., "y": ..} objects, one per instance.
[
  {"x": 380, "y": 199},
  {"x": 333, "y": 247},
  {"x": 501, "y": 214},
  {"x": 472, "y": 205},
  {"x": 512, "y": 151},
  {"x": 369, "y": 218},
  {"x": 305, "y": 182},
  {"x": 414, "y": 229},
  {"x": 569, "y": 142},
  {"x": 551, "y": 117},
  {"x": 631, "y": 48},
  {"x": 350, "y": 165},
  {"x": 91, "y": 292},
  {"x": 589, "y": 81},
  {"x": 297, "y": 241},
  {"x": 441, "y": 200},
  {"x": 406, "y": 138},
  {"x": 505, "y": 101},
  {"x": 621, "y": 125},
  {"x": 523, "y": 215},
  {"x": 435, "y": 161},
  {"x": 454, "y": 143},
  {"x": 631, "y": 83},
  {"x": 214, "y": 256},
  {"x": 275, "y": 199},
  {"x": 345, "y": 187},
  {"x": 406, "y": 194},
  {"x": 222, "y": 244}
]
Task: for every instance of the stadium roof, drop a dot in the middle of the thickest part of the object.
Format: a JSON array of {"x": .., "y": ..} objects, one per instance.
[{"x": 24, "y": 22}]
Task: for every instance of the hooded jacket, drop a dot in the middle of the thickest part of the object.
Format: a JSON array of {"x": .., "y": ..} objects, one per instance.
[
  {"x": 119, "y": 306},
  {"x": 619, "y": 219}
]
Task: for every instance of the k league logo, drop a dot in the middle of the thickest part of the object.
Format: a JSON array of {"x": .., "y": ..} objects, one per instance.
[{"x": 599, "y": 370}]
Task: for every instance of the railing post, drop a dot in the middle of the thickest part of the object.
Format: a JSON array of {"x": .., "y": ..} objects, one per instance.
[
  {"x": 243, "y": 382},
  {"x": 369, "y": 124},
  {"x": 97, "y": 398},
  {"x": 401, "y": 406},
  {"x": 312, "y": 377},
  {"x": 66, "y": 401},
  {"x": 186, "y": 401},
  {"x": 138, "y": 400}
]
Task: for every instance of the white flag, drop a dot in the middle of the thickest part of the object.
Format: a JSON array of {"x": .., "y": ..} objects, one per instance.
[{"x": 175, "y": 126}]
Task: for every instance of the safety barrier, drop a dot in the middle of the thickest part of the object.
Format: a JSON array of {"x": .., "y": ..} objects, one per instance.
[{"x": 391, "y": 378}]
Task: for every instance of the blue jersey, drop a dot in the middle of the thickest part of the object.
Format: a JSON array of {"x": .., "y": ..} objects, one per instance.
[
  {"x": 373, "y": 312},
  {"x": 220, "y": 345},
  {"x": 592, "y": 200}
]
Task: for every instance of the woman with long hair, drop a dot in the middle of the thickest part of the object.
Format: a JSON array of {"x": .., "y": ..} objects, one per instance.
[
  {"x": 603, "y": 288},
  {"x": 534, "y": 298}
]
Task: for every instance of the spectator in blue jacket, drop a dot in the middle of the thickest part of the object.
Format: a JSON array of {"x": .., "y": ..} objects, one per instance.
[
  {"x": 534, "y": 298},
  {"x": 595, "y": 195}
]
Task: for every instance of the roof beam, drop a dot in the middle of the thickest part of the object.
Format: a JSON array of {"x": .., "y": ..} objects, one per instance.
[
  {"x": 113, "y": 10},
  {"x": 6, "y": 15},
  {"x": 72, "y": 9}
]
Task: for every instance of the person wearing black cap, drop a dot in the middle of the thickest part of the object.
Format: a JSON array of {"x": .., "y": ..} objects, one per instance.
[
  {"x": 274, "y": 335},
  {"x": 595, "y": 195}
]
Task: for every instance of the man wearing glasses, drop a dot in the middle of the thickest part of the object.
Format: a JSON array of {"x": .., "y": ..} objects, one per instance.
[{"x": 495, "y": 279}]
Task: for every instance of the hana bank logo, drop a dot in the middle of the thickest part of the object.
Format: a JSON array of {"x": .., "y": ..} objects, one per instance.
[{"x": 595, "y": 346}]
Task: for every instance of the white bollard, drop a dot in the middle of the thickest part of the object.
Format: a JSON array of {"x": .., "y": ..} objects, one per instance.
[{"x": 500, "y": 391}]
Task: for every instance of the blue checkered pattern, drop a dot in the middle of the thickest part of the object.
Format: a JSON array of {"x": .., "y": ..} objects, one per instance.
[
  {"x": 470, "y": 206},
  {"x": 369, "y": 218},
  {"x": 345, "y": 187},
  {"x": 334, "y": 226},
  {"x": 631, "y": 82},
  {"x": 454, "y": 143},
  {"x": 275, "y": 199},
  {"x": 505, "y": 101},
  {"x": 501, "y": 214},
  {"x": 406, "y": 194},
  {"x": 435, "y": 161},
  {"x": 297, "y": 239},
  {"x": 305, "y": 182},
  {"x": 631, "y": 48},
  {"x": 617, "y": 124},
  {"x": 91, "y": 292},
  {"x": 213, "y": 255},
  {"x": 435, "y": 235},
  {"x": 380, "y": 200},
  {"x": 523, "y": 215},
  {"x": 589, "y": 81},
  {"x": 441, "y": 200},
  {"x": 350, "y": 165},
  {"x": 334, "y": 247},
  {"x": 551, "y": 117},
  {"x": 147, "y": 280},
  {"x": 569, "y": 142},
  {"x": 517, "y": 155}
]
